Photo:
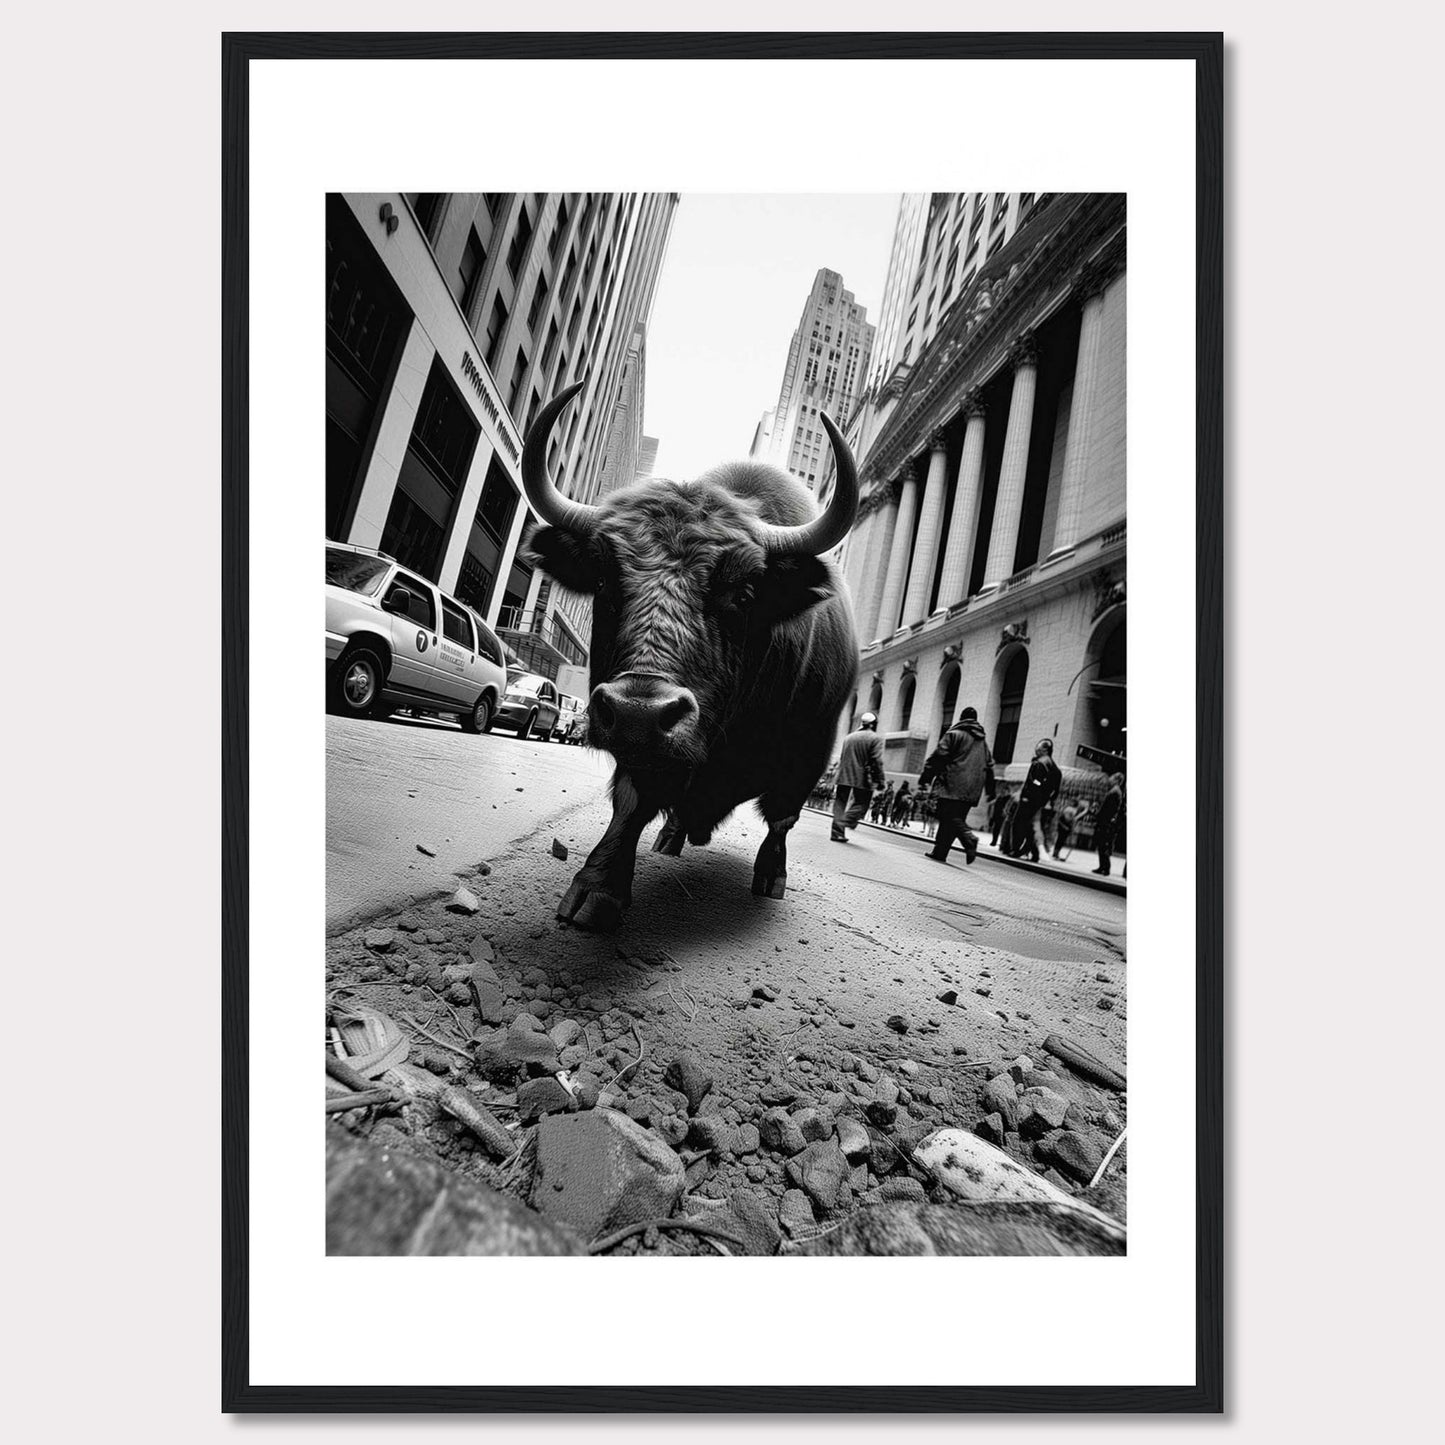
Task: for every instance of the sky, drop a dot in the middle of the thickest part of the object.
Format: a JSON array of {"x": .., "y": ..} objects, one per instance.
[{"x": 737, "y": 273}]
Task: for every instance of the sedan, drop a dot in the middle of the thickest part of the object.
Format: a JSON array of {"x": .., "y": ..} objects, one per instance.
[{"x": 530, "y": 705}]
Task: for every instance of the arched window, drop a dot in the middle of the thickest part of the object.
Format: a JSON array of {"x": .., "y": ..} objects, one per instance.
[
  {"x": 1102, "y": 719},
  {"x": 905, "y": 702},
  {"x": 1010, "y": 706}
]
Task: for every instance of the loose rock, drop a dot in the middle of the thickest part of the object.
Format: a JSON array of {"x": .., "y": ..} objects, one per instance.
[
  {"x": 599, "y": 1171},
  {"x": 819, "y": 1171},
  {"x": 796, "y": 1214},
  {"x": 1075, "y": 1155},
  {"x": 688, "y": 1074},
  {"x": 537, "y": 1097}
]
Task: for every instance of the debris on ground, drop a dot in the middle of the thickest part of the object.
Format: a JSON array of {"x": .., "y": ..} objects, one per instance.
[{"x": 498, "y": 1085}]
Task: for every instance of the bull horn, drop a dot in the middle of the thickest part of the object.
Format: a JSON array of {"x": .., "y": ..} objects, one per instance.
[
  {"x": 823, "y": 533},
  {"x": 547, "y": 502}
]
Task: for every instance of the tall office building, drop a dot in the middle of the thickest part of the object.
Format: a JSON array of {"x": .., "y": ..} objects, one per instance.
[
  {"x": 646, "y": 458},
  {"x": 450, "y": 319},
  {"x": 624, "y": 431},
  {"x": 826, "y": 367},
  {"x": 988, "y": 563}
]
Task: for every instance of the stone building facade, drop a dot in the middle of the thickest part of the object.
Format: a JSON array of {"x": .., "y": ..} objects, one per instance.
[{"x": 988, "y": 564}]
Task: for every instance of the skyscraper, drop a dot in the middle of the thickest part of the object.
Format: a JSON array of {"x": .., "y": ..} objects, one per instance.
[{"x": 825, "y": 371}]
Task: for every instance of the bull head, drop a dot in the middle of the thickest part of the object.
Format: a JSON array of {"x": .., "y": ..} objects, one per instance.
[
  {"x": 809, "y": 539},
  {"x": 689, "y": 581}
]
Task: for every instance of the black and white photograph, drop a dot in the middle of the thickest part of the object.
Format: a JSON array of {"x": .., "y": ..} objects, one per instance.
[{"x": 727, "y": 741}]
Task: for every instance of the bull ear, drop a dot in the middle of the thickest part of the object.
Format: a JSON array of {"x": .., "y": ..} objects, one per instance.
[
  {"x": 571, "y": 559},
  {"x": 790, "y": 585}
]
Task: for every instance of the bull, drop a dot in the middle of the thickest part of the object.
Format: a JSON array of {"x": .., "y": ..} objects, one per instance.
[{"x": 722, "y": 653}]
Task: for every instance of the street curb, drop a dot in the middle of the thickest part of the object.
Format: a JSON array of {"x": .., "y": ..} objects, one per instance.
[{"x": 1119, "y": 886}]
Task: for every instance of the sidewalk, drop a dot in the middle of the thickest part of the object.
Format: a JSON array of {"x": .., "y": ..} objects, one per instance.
[{"x": 1077, "y": 864}]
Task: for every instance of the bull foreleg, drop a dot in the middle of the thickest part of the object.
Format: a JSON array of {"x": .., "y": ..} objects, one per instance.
[
  {"x": 671, "y": 836},
  {"x": 770, "y": 868},
  {"x": 603, "y": 885}
]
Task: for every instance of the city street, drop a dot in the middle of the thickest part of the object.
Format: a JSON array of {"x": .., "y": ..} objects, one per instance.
[{"x": 815, "y": 997}]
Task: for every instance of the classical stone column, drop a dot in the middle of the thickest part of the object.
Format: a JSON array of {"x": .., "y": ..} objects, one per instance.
[
  {"x": 930, "y": 524},
  {"x": 870, "y": 579},
  {"x": 1082, "y": 412},
  {"x": 887, "y": 621},
  {"x": 958, "y": 554},
  {"x": 1012, "y": 473}
]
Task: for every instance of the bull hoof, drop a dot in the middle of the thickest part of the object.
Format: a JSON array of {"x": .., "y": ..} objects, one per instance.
[
  {"x": 669, "y": 841},
  {"x": 591, "y": 909},
  {"x": 770, "y": 885}
]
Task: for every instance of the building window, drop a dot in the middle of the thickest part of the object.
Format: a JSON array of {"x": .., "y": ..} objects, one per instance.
[
  {"x": 551, "y": 346},
  {"x": 534, "y": 408},
  {"x": 557, "y": 230},
  {"x": 444, "y": 433},
  {"x": 496, "y": 326},
  {"x": 427, "y": 208},
  {"x": 469, "y": 272},
  {"x": 539, "y": 302},
  {"x": 494, "y": 202},
  {"x": 519, "y": 372},
  {"x": 497, "y": 507},
  {"x": 521, "y": 239}
]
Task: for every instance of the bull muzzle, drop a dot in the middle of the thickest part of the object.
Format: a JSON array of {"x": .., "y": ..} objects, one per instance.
[{"x": 643, "y": 719}]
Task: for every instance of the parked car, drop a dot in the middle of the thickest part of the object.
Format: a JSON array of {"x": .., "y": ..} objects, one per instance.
[
  {"x": 530, "y": 706},
  {"x": 567, "y": 719},
  {"x": 394, "y": 639}
]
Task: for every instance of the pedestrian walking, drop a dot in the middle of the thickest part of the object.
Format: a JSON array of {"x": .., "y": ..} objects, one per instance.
[
  {"x": 902, "y": 806},
  {"x": 1065, "y": 828},
  {"x": 1040, "y": 787},
  {"x": 998, "y": 812},
  {"x": 930, "y": 815},
  {"x": 960, "y": 771},
  {"x": 1106, "y": 826},
  {"x": 883, "y": 803},
  {"x": 860, "y": 770}
]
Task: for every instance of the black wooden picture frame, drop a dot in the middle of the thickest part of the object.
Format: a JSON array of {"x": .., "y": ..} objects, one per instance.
[{"x": 1205, "y": 1394}]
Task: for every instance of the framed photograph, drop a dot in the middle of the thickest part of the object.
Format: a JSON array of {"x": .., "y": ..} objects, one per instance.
[{"x": 708, "y": 839}]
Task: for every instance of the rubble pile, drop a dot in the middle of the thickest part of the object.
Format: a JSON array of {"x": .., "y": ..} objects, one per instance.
[{"x": 560, "y": 1093}]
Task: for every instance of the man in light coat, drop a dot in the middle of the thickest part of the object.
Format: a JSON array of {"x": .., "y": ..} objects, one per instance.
[
  {"x": 961, "y": 771},
  {"x": 860, "y": 770}
]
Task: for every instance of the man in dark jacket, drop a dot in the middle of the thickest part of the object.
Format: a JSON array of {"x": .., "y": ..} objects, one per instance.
[
  {"x": 961, "y": 770},
  {"x": 1106, "y": 826},
  {"x": 1040, "y": 786},
  {"x": 860, "y": 770}
]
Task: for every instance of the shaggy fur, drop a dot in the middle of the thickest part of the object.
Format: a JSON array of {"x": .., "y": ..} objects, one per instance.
[{"x": 683, "y": 588}]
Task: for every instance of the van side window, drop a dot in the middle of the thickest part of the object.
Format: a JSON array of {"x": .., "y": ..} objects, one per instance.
[
  {"x": 423, "y": 610},
  {"x": 488, "y": 645},
  {"x": 457, "y": 625}
]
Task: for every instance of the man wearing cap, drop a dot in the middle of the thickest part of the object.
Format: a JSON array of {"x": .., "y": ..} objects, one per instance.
[
  {"x": 860, "y": 770},
  {"x": 1040, "y": 786},
  {"x": 961, "y": 771}
]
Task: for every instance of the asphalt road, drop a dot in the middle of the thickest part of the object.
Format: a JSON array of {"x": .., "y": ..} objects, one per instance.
[
  {"x": 870, "y": 924},
  {"x": 396, "y": 786}
]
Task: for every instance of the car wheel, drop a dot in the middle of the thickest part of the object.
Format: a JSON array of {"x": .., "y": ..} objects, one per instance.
[
  {"x": 525, "y": 731},
  {"x": 358, "y": 683},
  {"x": 479, "y": 720}
]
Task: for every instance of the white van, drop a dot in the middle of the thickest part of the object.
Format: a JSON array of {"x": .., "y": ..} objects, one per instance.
[{"x": 393, "y": 639}]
